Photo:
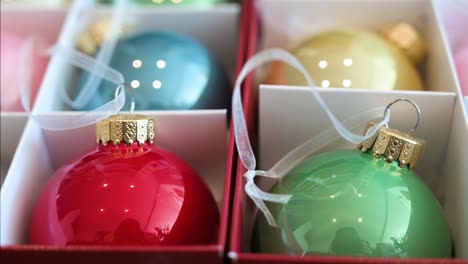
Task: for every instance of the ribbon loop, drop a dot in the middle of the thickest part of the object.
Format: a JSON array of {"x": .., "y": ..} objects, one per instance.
[{"x": 301, "y": 152}]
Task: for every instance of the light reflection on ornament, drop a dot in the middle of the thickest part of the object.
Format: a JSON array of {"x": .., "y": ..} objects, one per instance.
[
  {"x": 135, "y": 84},
  {"x": 325, "y": 83},
  {"x": 161, "y": 64},
  {"x": 137, "y": 64},
  {"x": 157, "y": 84},
  {"x": 347, "y": 83},
  {"x": 323, "y": 64},
  {"x": 348, "y": 62}
]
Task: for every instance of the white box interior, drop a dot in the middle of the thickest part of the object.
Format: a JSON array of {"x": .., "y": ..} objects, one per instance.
[
  {"x": 12, "y": 125},
  {"x": 454, "y": 17},
  {"x": 216, "y": 28},
  {"x": 41, "y": 152},
  {"x": 25, "y": 21},
  {"x": 443, "y": 165},
  {"x": 285, "y": 23}
]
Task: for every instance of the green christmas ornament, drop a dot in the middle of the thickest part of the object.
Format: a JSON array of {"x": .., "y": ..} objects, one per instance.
[{"x": 365, "y": 202}]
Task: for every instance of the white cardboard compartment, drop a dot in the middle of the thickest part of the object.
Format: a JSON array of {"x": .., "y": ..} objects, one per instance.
[
  {"x": 24, "y": 20},
  {"x": 285, "y": 23},
  {"x": 41, "y": 152},
  {"x": 443, "y": 165},
  {"x": 12, "y": 125},
  {"x": 454, "y": 17},
  {"x": 216, "y": 28}
]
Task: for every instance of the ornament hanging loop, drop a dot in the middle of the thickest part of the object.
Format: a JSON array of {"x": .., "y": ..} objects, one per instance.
[
  {"x": 418, "y": 111},
  {"x": 130, "y": 92}
]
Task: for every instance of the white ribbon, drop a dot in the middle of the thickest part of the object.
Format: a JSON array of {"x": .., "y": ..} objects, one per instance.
[
  {"x": 103, "y": 56},
  {"x": 82, "y": 61},
  {"x": 99, "y": 71},
  {"x": 303, "y": 151}
]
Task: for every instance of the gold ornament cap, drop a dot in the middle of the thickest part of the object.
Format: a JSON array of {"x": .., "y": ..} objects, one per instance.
[
  {"x": 126, "y": 128},
  {"x": 408, "y": 40},
  {"x": 394, "y": 145},
  {"x": 90, "y": 41}
]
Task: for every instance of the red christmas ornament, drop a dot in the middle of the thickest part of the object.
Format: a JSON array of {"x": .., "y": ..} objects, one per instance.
[{"x": 126, "y": 193}]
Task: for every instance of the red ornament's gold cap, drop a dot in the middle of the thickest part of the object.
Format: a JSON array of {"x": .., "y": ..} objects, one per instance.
[
  {"x": 408, "y": 40},
  {"x": 126, "y": 128},
  {"x": 395, "y": 145}
]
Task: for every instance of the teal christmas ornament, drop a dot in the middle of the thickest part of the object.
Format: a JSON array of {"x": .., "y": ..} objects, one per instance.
[
  {"x": 357, "y": 203},
  {"x": 167, "y": 71}
]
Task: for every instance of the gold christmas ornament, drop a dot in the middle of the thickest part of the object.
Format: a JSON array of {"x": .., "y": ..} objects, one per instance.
[{"x": 357, "y": 59}]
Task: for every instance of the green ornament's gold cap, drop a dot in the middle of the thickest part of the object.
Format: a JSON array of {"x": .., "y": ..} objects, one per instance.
[
  {"x": 395, "y": 145},
  {"x": 126, "y": 128},
  {"x": 407, "y": 39}
]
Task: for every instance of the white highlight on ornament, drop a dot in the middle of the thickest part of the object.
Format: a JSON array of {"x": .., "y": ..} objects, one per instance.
[
  {"x": 102, "y": 210},
  {"x": 323, "y": 64},
  {"x": 348, "y": 62},
  {"x": 325, "y": 83},
  {"x": 161, "y": 64},
  {"x": 135, "y": 84},
  {"x": 137, "y": 64},
  {"x": 126, "y": 210},
  {"x": 347, "y": 83},
  {"x": 157, "y": 84},
  {"x": 359, "y": 219},
  {"x": 332, "y": 196},
  {"x": 132, "y": 186},
  {"x": 104, "y": 185},
  {"x": 334, "y": 220},
  {"x": 359, "y": 195}
]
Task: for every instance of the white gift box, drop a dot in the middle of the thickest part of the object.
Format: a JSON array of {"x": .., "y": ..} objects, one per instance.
[
  {"x": 288, "y": 116},
  {"x": 199, "y": 137}
]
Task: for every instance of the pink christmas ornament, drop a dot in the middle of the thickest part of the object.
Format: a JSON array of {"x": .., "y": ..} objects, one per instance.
[
  {"x": 12, "y": 46},
  {"x": 461, "y": 62}
]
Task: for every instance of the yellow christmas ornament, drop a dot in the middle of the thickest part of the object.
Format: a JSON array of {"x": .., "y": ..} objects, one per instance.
[{"x": 358, "y": 59}]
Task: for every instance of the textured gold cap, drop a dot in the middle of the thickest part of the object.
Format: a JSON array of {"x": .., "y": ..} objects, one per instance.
[
  {"x": 395, "y": 145},
  {"x": 90, "y": 40},
  {"x": 405, "y": 37},
  {"x": 126, "y": 128}
]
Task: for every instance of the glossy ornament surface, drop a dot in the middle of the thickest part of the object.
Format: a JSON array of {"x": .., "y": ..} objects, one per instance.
[
  {"x": 173, "y": 2},
  {"x": 167, "y": 71},
  {"x": 350, "y": 203},
  {"x": 136, "y": 194},
  {"x": 350, "y": 59},
  {"x": 461, "y": 63},
  {"x": 12, "y": 48}
]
